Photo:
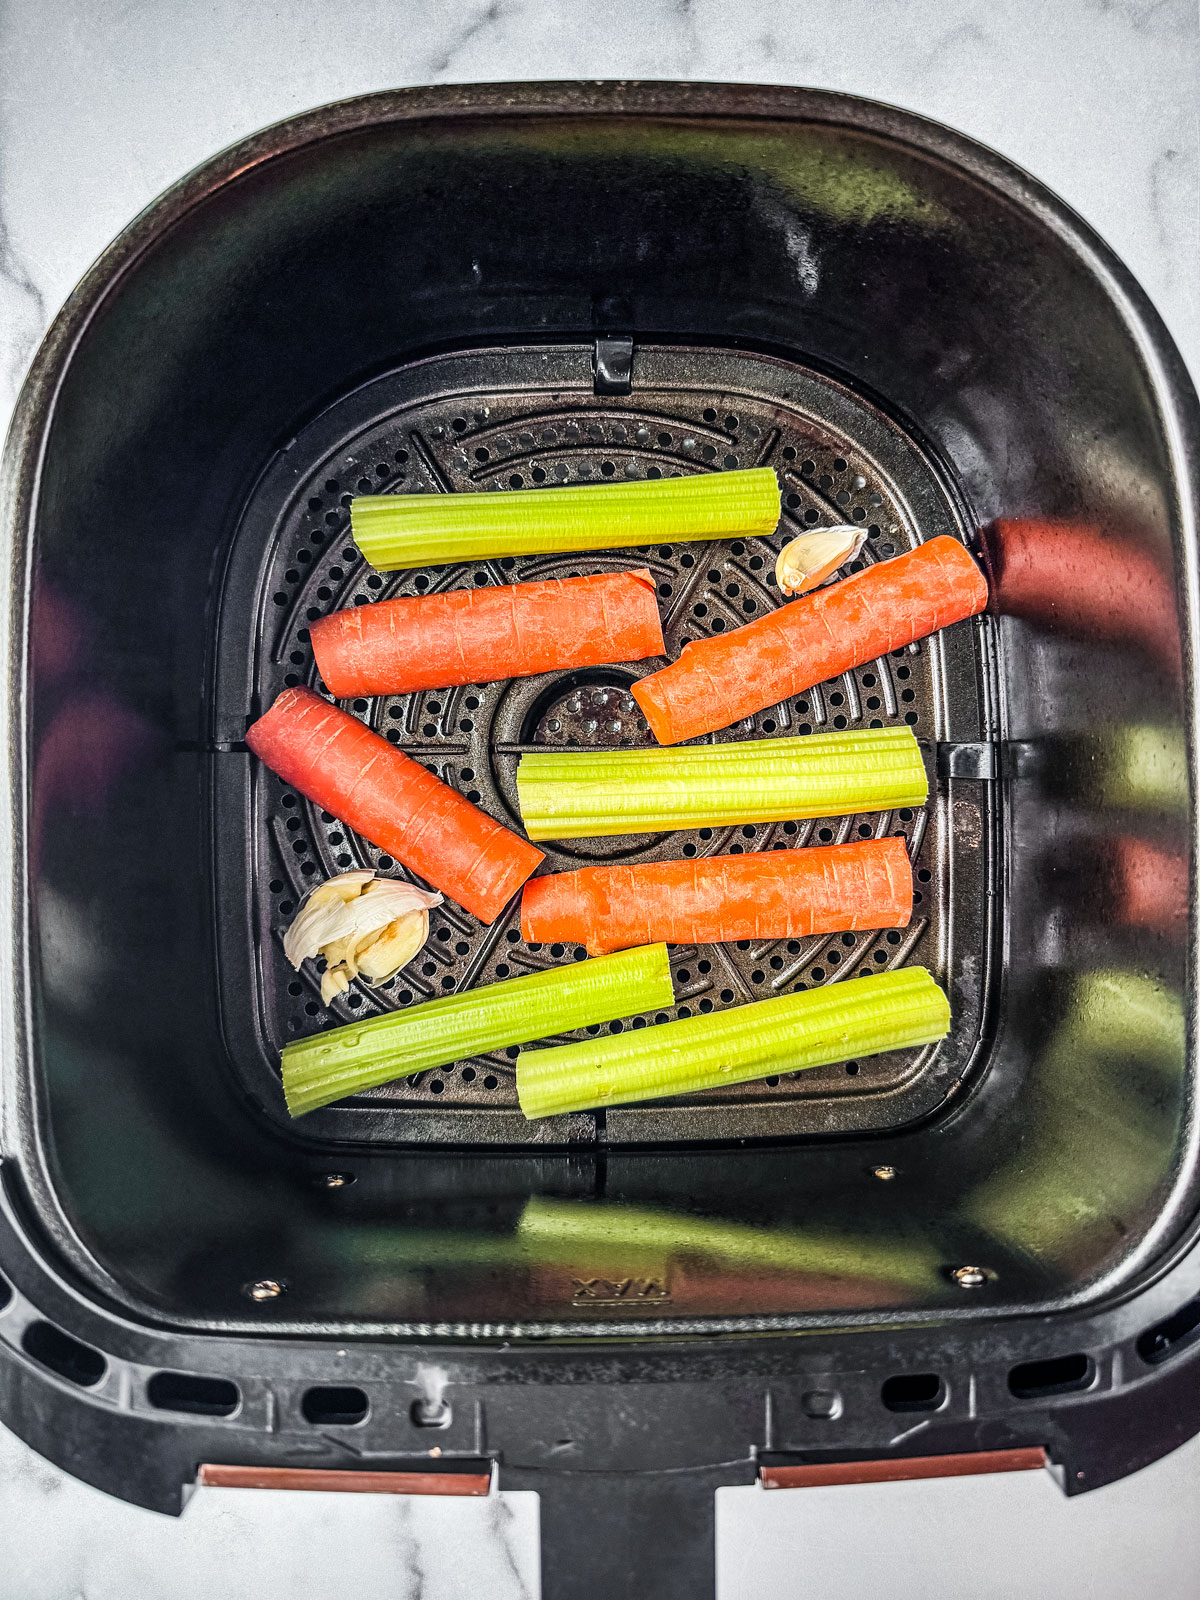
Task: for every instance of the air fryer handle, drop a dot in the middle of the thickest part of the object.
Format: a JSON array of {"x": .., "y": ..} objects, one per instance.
[{"x": 648, "y": 1534}]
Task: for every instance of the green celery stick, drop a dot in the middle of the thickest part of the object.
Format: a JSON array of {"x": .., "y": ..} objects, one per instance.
[
  {"x": 420, "y": 530},
  {"x": 830, "y": 747},
  {"x": 860, "y": 1017},
  {"x": 363, "y": 1055},
  {"x": 590, "y": 794}
]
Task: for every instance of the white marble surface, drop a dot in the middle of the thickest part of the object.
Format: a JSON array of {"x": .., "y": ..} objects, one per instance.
[
  {"x": 105, "y": 102},
  {"x": 61, "y": 1540}
]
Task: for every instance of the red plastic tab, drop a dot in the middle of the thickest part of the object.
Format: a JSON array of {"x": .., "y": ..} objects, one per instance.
[
  {"x": 215, "y": 1476},
  {"x": 821, "y": 1474}
]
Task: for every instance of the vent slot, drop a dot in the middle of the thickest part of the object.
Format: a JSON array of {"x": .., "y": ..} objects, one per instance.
[
  {"x": 1060, "y": 1375},
  {"x": 70, "y": 1358},
  {"x": 184, "y": 1391},
  {"x": 6, "y": 1293},
  {"x": 1172, "y": 1335},
  {"x": 329, "y": 1407},
  {"x": 913, "y": 1391}
]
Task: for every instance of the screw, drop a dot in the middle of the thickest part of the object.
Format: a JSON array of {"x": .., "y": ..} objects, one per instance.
[
  {"x": 822, "y": 1404},
  {"x": 886, "y": 1173},
  {"x": 970, "y": 1277},
  {"x": 430, "y": 1414},
  {"x": 264, "y": 1289},
  {"x": 335, "y": 1180}
]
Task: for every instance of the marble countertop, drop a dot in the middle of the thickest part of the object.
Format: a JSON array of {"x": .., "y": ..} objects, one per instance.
[{"x": 102, "y": 105}]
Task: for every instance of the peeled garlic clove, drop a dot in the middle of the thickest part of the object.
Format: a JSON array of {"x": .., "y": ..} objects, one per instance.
[
  {"x": 395, "y": 947},
  {"x": 810, "y": 558},
  {"x": 345, "y": 887},
  {"x": 334, "y": 981},
  {"x": 341, "y": 952}
]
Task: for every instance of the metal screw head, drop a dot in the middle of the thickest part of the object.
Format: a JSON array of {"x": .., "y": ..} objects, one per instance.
[
  {"x": 821, "y": 1404},
  {"x": 264, "y": 1289},
  {"x": 430, "y": 1414},
  {"x": 885, "y": 1173},
  {"x": 335, "y": 1180},
  {"x": 970, "y": 1277}
]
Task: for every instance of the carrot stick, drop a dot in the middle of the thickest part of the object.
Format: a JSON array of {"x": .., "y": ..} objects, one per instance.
[
  {"x": 771, "y": 894},
  {"x": 720, "y": 680},
  {"x": 478, "y": 635},
  {"x": 375, "y": 789}
]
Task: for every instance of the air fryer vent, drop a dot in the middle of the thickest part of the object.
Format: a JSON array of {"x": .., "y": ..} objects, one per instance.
[
  {"x": 73, "y": 1360},
  {"x": 189, "y": 1393},
  {"x": 1171, "y": 1336},
  {"x": 1058, "y": 1375}
]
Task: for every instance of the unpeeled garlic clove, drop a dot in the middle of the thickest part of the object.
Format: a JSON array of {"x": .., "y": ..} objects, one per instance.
[
  {"x": 810, "y": 558},
  {"x": 361, "y": 924}
]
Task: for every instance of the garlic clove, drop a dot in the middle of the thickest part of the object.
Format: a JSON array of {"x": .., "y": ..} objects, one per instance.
[
  {"x": 361, "y": 924},
  {"x": 395, "y": 947},
  {"x": 346, "y": 886},
  {"x": 334, "y": 981},
  {"x": 342, "y": 952},
  {"x": 810, "y": 558},
  {"x": 349, "y": 908}
]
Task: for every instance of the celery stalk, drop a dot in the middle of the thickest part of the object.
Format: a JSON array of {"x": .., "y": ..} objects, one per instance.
[
  {"x": 419, "y": 530},
  {"x": 363, "y": 1055},
  {"x": 860, "y": 1017},
  {"x": 585, "y": 795}
]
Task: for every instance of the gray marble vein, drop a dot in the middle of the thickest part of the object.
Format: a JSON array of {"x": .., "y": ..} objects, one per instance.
[
  {"x": 509, "y": 1534},
  {"x": 485, "y": 23},
  {"x": 22, "y": 309}
]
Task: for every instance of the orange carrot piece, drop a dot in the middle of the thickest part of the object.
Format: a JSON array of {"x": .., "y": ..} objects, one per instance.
[
  {"x": 375, "y": 789},
  {"x": 722, "y": 679},
  {"x": 772, "y": 894},
  {"x": 478, "y": 635}
]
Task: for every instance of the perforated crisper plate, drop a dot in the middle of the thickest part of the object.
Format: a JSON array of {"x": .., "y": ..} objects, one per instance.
[{"x": 517, "y": 417}]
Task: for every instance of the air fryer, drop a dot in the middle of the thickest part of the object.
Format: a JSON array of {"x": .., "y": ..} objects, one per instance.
[{"x": 979, "y": 1246}]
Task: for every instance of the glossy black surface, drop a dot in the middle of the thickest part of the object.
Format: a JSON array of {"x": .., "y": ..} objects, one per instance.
[{"x": 914, "y": 270}]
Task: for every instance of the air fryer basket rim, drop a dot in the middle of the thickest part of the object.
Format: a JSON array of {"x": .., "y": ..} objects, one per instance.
[{"x": 37, "y": 1405}]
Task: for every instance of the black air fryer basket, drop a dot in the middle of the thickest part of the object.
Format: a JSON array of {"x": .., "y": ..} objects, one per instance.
[{"x": 984, "y": 1246}]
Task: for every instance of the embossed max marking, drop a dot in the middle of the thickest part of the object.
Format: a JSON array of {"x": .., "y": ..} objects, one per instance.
[{"x": 625, "y": 1291}]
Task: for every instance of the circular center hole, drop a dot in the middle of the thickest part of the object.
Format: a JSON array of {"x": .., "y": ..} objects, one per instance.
[{"x": 589, "y": 709}]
